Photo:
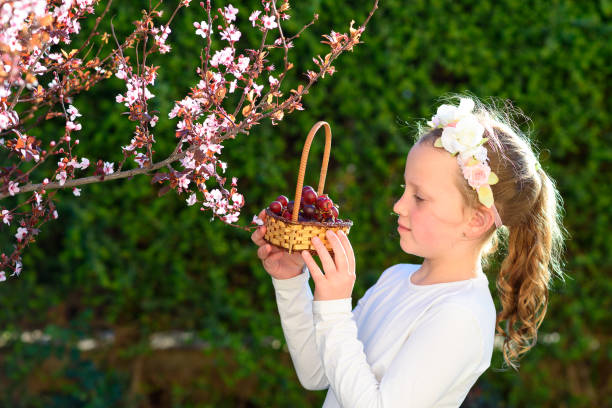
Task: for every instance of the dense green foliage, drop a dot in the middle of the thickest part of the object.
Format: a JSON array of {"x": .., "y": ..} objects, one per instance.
[{"x": 121, "y": 259}]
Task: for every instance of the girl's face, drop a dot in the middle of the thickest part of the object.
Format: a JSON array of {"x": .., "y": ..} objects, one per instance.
[{"x": 431, "y": 208}]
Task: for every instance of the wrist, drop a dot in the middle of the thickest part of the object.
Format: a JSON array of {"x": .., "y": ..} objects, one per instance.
[{"x": 289, "y": 274}]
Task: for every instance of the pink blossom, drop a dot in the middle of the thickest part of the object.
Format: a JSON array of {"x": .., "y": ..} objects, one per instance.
[
  {"x": 108, "y": 168},
  {"x": 223, "y": 57},
  {"x": 73, "y": 126},
  {"x": 188, "y": 162},
  {"x": 2, "y": 276},
  {"x": 230, "y": 12},
  {"x": 6, "y": 217},
  {"x": 38, "y": 198},
  {"x": 84, "y": 163},
  {"x": 191, "y": 200},
  {"x": 254, "y": 16},
  {"x": 232, "y": 86},
  {"x": 269, "y": 22},
  {"x": 121, "y": 74},
  {"x": 477, "y": 175},
  {"x": 257, "y": 89},
  {"x": 76, "y": 191},
  {"x": 231, "y": 34},
  {"x": 202, "y": 29},
  {"x": 141, "y": 159},
  {"x": 8, "y": 118},
  {"x": 238, "y": 199},
  {"x": 257, "y": 220},
  {"x": 61, "y": 176},
  {"x": 232, "y": 217},
  {"x": 183, "y": 182},
  {"x": 17, "y": 270},
  {"x": 273, "y": 81},
  {"x": 12, "y": 188},
  {"x": 21, "y": 233},
  {"x": 73, "y": 112}
]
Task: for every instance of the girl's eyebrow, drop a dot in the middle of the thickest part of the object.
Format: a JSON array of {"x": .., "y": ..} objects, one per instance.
[
  {"x": 421, "y": 189},
  {"x": 411, "y": 183}
]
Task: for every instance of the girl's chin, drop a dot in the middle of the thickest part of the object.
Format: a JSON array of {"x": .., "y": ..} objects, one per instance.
[{"x": 409, "y": 249}]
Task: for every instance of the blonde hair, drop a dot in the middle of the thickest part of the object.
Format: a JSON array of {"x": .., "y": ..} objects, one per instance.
[{"x": 531, "y": 210}]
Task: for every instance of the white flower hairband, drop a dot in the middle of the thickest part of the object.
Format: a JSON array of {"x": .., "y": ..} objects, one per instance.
[{"x": 462, "y": 134}]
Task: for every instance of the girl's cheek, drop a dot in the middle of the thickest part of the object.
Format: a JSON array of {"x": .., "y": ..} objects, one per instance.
[{"x": 420, "y": 225}]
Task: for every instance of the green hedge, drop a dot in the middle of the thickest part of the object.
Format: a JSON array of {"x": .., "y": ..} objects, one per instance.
[{"x": 121, "y": 259}]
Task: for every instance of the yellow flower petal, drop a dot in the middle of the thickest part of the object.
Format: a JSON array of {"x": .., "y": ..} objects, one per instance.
[
  {"x": 485, "y": 196},
  {"x": 438, "y": 142},
  {"x": 493, "y": 178}
]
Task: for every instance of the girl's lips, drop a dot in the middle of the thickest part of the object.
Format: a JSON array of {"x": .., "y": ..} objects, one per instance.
[{"x": 400, "y": 227}]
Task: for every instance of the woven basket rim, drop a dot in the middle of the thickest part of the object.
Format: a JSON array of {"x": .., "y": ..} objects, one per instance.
[{"x": 347, "y": 223}]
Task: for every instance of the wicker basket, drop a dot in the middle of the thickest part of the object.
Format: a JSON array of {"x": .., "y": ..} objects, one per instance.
[{"x": 294, "y": 235}]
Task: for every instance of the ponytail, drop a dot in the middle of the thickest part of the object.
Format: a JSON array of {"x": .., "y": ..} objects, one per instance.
[{"x": 534, "y": 255}]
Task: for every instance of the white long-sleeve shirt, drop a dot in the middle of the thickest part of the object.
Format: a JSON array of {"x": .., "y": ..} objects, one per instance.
[{"x": 404, "y": 345}]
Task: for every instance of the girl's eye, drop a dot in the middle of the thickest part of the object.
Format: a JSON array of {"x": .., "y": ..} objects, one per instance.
[{"x": 418, "y": 198}]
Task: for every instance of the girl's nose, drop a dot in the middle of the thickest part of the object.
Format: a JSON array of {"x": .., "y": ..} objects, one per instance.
[{"x": 399, "y": 207}]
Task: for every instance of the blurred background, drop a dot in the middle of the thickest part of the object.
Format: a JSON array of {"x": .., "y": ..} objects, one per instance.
[{"x": 132, "y": 300}]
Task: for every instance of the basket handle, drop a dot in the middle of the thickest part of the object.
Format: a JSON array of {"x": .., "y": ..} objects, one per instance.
[{"x": 305, "y": 151}]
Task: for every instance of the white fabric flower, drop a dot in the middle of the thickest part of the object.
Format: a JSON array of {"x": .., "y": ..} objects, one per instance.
[
  {"x": 447, "y": 114},
  {"x": 465, "y": 135}
]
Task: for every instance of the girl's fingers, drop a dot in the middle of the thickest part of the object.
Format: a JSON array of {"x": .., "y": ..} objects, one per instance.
[
  {"x": 348, "y": 249},
  {"x": 264, "y": 251},
  {"x": 315, "y": 271},
  {"x": 329, "y": 266},
  {"x": 257, "y": 236},
  {"x": 339, "y": 252},
  {"x": 262, "y": 214}
]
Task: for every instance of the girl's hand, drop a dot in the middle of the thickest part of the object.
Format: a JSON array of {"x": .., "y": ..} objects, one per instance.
[
  {"x": 279, "y": 263},
  {"x": 339, "y": 278}
]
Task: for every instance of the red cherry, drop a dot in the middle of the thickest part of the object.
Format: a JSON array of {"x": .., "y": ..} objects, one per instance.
[
  {"x": 286, "y": 215},
  {"x": 283, "y": 200},
  {"x": 309, "y": 211},
  {"x": 290, "y": 206},
  {"x": 276, "y": 207},
  {"x": 324, "y": 203},
  {"x": 309, "y": 196},
  {"x": 334, "y": 212}
]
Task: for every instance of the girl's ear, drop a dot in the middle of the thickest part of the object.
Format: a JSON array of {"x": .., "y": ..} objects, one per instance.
[{"x": 480, "y": 222}]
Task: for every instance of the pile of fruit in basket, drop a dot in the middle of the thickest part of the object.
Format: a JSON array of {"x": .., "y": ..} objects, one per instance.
[{"x": 312, "y": 207}]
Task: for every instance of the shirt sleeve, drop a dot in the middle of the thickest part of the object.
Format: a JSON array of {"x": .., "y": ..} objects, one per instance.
[
  {"x": 446, "y": 345},
  {"x": 294, "y": 300}
]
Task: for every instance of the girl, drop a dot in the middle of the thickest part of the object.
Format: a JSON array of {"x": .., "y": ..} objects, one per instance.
[{"x": 423, "y": 334}]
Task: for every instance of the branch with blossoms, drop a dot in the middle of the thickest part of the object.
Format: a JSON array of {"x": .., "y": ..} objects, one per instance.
[{"x": 34, "y": 39}]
